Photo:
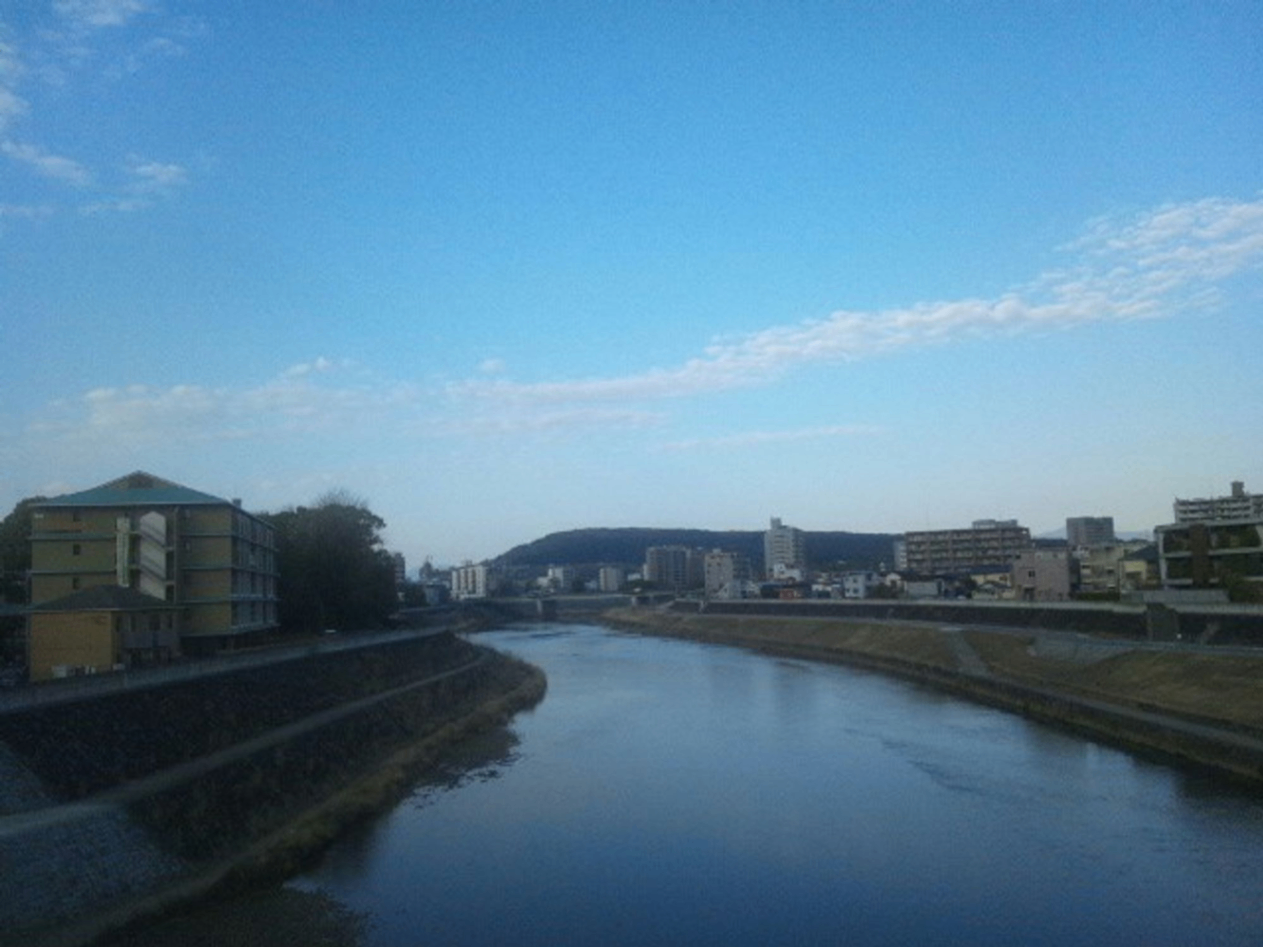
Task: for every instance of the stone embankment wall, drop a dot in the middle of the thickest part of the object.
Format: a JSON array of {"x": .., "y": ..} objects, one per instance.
[{"x": 119, "y": 803}]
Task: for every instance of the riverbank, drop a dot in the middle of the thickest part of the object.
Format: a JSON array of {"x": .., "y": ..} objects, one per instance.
[
  {"x": 1200, "y": 708},
  {"x": 275, "y": 765}
]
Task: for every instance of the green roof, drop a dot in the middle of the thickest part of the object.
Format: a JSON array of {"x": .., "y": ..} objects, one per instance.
[{"x": 136, "y": 489}]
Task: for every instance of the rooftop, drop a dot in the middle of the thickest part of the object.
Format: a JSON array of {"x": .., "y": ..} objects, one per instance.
[{"x": 136, "y": 489}]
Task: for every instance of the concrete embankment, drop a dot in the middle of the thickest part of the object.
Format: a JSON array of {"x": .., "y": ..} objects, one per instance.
[
  {"x": 1201, "y": 708},
  {"x": 135, "y": 802}
]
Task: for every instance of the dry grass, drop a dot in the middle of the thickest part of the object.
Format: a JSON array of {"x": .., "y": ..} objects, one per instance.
[{"x": 1216, "y": 688}]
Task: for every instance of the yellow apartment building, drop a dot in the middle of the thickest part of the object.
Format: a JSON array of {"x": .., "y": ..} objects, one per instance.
[{"x": 208, "y": 561}]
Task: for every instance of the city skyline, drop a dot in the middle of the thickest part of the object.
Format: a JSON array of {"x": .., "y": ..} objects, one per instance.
[{"x": 507, "y": 271}]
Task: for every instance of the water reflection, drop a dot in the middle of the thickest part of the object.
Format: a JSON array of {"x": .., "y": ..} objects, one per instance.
[{"x": 674, "y": 793}]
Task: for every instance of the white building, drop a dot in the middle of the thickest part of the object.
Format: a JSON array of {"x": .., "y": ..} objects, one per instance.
[
  {"x": 1238, "y": 505},
  {"x": 784, "y": 551},
  {"x": 611, "y": 578},
  {"x": 727, "y": 574},
  {"x": 473, "y": 581},
  {"x": 859, "y": 584},
  {"x": 560, "y": 578}
]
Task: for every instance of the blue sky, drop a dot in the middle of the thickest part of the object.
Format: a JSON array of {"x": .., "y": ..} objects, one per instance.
[{"x": 503, "y": 269}]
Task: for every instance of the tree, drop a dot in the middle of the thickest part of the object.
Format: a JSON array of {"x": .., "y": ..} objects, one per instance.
[
  {"x": 15, "y": 551},
  {"x": 334, "y": 571}
]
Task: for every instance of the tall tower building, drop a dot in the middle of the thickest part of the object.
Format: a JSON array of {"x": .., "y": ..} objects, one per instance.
[{"x": 784, "y": 549}]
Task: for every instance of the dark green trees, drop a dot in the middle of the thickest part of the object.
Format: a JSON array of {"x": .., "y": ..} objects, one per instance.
[
  {"x": 15, "y": 551},
  {"x": 334, "y": 572}
]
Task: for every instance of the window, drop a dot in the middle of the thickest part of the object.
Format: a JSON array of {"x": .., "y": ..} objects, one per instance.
[{"x": 74, "y": 582}]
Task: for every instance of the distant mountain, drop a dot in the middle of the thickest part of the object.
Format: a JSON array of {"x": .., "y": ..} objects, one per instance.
[{"x": 626, "y": 546}]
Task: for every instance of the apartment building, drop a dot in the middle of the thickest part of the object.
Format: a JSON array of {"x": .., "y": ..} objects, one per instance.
[
  {"x": 727, "y": 574},
  {"x": 1089, "y": 531},
  {"x": 961, "y": 551},
  {"x": 1044, "y": 575},
  {"x": 1202, "y": 554},
  {"x": 672, "y": 567},
  {"x": 611, "y": 578},
  {"x": 202, "y": 562},
  {"x": 473, "y": 581},
  {"x": 1238, "y": 505},
  {"x": 784, "y": 551}
]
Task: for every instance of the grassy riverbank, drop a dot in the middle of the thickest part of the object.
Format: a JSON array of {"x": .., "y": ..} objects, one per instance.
[{"x": 1012, "y": 669}]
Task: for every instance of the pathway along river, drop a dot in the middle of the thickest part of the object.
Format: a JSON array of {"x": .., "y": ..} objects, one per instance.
[{"x": 667, "y": 792}]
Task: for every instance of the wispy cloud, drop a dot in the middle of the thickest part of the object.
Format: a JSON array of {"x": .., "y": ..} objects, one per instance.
[
  {"x": 145, "y": 182},
  {"x": 1153, "y": 265},
  {"x": 67, "y": 46},
  {"x": 291, "y": 404},
  {"x": 755, "y": 438},
  {"x": 95, "y": 14},
  {"x": 1149, "y": 266},
  {"x": 50, "y": 166}
]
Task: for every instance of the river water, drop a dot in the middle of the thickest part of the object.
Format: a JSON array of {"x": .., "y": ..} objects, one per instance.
[{"x": 667, "y": 792}]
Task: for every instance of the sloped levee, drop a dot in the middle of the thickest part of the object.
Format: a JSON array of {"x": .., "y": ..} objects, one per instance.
[
  {"x": 1199, "y": 708},
  {"x": 133, "y": 802}
]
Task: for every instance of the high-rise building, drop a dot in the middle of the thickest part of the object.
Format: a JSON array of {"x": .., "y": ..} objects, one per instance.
[
  {"x": 1089, "y": 531},
  {"x": 1238, "y": 505},
  {"x": 784, "y": 549},
  {"x": 474, "y": 581},
  {"x": 611, "y": 578},
  {"x": 726, "y": 574},
  {"x": 667, "y": 567},
  {"x": 205, "y": 566},
  {"x": 955, "y": 551}
]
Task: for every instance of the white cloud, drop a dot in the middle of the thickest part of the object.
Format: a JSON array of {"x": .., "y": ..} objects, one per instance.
[
  {"x": 25, "y": 211},
  {"x": 491, "y": 366},
  {"x": 321, "y": 364},
  {"x": 51, "y": 166},
  {"x": 755, "y": 438},
  {"x": 94, "y": 14},
  {"x": 1152, "y": 265},
  {"x": 11, "y": 106},
  {"x": 151, "y": 176}
]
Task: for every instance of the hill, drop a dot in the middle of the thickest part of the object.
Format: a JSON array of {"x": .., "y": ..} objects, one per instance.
[{"x": 626, "y": 546}]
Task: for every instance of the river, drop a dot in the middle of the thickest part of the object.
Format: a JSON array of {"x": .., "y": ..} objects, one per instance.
[{"x": 667, "y": 792}]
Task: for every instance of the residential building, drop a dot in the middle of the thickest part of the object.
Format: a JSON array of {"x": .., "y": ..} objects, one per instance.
[
  {"x": 1089, "y": 531},
  {"x": 1043, "y": 575},
  {"x": 727, "y": 574},
  {"x": 960, "y": 551},
  {"x": 667, "y": 567},
  {"x": 1140, "y": 569},
  {"x": 611, "y": 578},
  {"x": 924, "y": 588},
  {"x": 561, "y": 578},
  {"x": 859, "y": 584},
  {"x": 201, "y": 553},
  {"x": 401, "y": 569},
  {"x": 103, "y": 628},
  {"x": 1101, "y": 567},
  {"x": 784, "y": 551},
  {"x": 473, "y": 581},
  {"x": 1238, "y": 505},
  {"x": 1202, "y": 554}
]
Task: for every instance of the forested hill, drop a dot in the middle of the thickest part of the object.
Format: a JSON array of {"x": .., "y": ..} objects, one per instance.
[{"x": 627, "y": 546}]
